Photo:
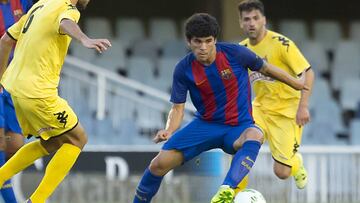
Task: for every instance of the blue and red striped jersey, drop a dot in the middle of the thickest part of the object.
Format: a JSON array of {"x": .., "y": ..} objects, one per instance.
[
  {"x": 220, "y": 92},
  {"x": 11, "y": 12}
]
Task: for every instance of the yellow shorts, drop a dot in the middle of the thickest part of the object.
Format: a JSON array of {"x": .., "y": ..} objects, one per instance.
[
  {"x": 282, "y": 133},
  {"x": 45, "y": 117}
]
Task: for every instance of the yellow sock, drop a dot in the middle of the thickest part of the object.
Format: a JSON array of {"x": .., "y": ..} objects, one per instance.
[
  {"x": 22, "y": 159},
  {"x": 295, "y": 166},
  {"x": 58, "y": 167},
  {"x": 242, "y": 185}
]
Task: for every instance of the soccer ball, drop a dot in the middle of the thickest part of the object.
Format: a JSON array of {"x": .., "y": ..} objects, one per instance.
[{"x": 249, "y": 196}]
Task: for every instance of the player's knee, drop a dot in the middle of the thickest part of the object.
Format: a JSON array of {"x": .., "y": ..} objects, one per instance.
[
  {"x": 254, "y": 134},
  {"x": 158, "y": 167},
  {"x": 81, "y": 137},
  {"x": 282, "y": 173}
]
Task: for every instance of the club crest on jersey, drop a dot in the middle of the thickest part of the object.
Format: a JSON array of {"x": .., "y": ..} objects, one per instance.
[
  {"x": 18, "y": 13},
  {"x": 226, "y": 74}
]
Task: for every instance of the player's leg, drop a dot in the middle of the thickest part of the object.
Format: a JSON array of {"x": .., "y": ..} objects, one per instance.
[
  {"x": 259, "y": 120},
  {"x": 284, "y": 140},
  {"x": 247, "y": 147},
  {"x": 6, "y": 189},
  {"x": 153, "y": 175},
  {"x": 14, "y": 140},
  {"x": 27, "y": 154},
  {"x": 68, "y": 147},
  {"x": 185, "y": 144}
]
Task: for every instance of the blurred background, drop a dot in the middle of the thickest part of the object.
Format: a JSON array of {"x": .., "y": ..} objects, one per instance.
[{"x": 121, "y": 98}]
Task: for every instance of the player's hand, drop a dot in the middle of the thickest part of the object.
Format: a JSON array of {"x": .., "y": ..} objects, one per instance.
[
  {"x": 99, "y": 45},
  {"x": 302, "y": 116},
  {"x": 162, "y": 135}
]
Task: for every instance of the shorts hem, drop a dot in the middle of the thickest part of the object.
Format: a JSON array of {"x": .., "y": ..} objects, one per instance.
[{"x": 285, "y": 164}]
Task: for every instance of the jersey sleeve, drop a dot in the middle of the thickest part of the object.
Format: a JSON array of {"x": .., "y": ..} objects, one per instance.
[
  {"x": 250, "y": 59},
  {"x": 179, "y": 88},
  {"x": 70, "y": 13},
  {"x": 292, "y": 56},
  {"x": 15, "y": 30}
]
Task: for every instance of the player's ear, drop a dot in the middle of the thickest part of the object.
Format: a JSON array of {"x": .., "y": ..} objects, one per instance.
[{"x": 188, "y": 42}]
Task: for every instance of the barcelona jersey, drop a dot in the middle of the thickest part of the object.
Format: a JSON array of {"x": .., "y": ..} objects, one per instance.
[
  {"x": 221, "y": 91},
  {"x": 11, "y": 12}
]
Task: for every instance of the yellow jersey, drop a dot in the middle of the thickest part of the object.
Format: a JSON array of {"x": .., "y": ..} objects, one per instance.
[
  {"x": 272, "y": 96},
  {"x": 40, "y": 50}
]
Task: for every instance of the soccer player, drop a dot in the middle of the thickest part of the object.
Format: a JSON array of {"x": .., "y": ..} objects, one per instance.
[
  {"x": 280, "y": 111},
  {"x": 42, "y": 38},
  {"x": 216, "y": 75},
  {"x": 10, "y": 132}
]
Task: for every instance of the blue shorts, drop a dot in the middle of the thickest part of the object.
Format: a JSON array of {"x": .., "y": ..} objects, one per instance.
[
  {"x": 7, "y": 114},
  {"x": 199, "y": 136}
]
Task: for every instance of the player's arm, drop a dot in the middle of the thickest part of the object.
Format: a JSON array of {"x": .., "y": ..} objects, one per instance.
[
  {"x": 279, "y": 74},
  {"x": 72, "y": 29},
  {"x": 174, "y": 120},
  {"x": 6, "y": 45},
  {"x": 303, "y": 114}
]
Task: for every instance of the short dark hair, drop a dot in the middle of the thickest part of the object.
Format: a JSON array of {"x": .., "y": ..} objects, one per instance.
[
  {"x": 201, "y": 25},
  {"x": 249, "y": 5}
]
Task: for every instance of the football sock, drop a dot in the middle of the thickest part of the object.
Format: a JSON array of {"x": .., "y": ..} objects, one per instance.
[
  {"x": 147, "y": 188},
  {"x": 242, "y": 185},
  {"x": 58, "y": 167},
  {"x": 295, "y": 165},
  {"x": 23, "y": 158},
  {"x": 6, "y": 190},
  {"x": 242, "y": 162}
]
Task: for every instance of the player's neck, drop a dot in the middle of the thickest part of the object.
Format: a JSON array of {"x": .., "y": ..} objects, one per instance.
[
  {"x": 258, "y": 39},
  {"x": 4, "y": 1},
  {"x": 74, "y": 2}
]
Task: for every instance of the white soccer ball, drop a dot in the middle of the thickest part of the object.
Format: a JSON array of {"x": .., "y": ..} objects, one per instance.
[{"x": 249, "y": 196}]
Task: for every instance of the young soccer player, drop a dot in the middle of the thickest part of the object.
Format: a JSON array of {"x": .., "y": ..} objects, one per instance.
[
  {"x": 42, "y": 38},
  {"x": 216, "y": 75},
  {"x": 280, "y": 111}
]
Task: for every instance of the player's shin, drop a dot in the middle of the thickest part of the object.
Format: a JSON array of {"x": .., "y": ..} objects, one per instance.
[
  {"x": 55, "y": 172},
  {"x": 147, "y": 188},
  {"x": 243, "y": 160},
  {"x": 22, "y": 159},
  {"x": 6, "y": 190}
]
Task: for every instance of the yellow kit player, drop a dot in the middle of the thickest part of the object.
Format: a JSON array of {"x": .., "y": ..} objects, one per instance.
[
  {"x": 280, "y": 111},
  {"x": 42, "y": 38}
]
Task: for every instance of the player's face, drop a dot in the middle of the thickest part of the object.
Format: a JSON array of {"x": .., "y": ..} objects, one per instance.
[
  {"x": 253, "y": 23},
  {"x": 4, "y": 1},
  {"x": 82, "y": 4},
  {"x": 204, "y": 49}
]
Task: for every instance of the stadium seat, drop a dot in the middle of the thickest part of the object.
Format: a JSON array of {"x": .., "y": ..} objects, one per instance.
[
  {"x": 141, "y": 69},
  {"x": 328, "y": 33},
  {"x": 346, "y": 63},
  {"x": 162, "y": 30},
  {"x": 323, "y": 111},
  {"x": 145, "y": 48},
  {"x": 296, "y": 30},
  {"x": 129, "y": 30},
  {"x": 174, "y": 49},
  {"x": 113, "y": 59},
  {"x": 98, "y": 27},
  {"x": 315, "y": 53},
  {"x": 165, "y": 71},
  {"x": 321, "y": 92},
  {"x": 354, "y": 32},
  {"x": 79, "y": 51},
  {"x": 349, "y": 93},
  {"x": 355, "y": 132}
]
